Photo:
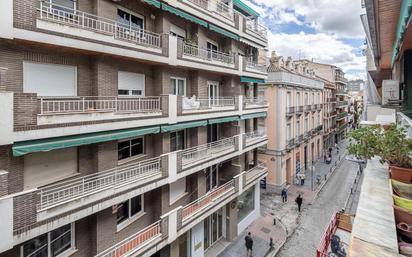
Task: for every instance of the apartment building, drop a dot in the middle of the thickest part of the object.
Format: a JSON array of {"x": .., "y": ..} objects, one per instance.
[
  {"x": 294, "y": 122},
  {"x": 335, "y": 77},
  {"x": 129, "y": 128}
]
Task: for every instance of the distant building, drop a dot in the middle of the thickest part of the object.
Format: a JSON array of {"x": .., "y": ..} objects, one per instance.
[{"x": 355, "y": 85}]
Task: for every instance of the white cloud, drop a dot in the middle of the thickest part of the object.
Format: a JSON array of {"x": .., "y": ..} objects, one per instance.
[
  {"x": 335, "y": 17},
  {"x": 321, "y": 48}
]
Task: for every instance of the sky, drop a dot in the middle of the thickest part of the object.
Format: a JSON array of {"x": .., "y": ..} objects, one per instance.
[{"x": 327, "y": 31}]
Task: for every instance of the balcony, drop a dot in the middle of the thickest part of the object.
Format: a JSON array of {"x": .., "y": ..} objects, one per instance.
[
  {"x": 332, "y": 100},
  {"x": 290, "y": 110},
  {"x": 299, "y": 139},
  {"x": 208, "y": 56},
  {"x": 306, "y": 135},
  {"x": 313, "y": 108},
  {"x": 202, "y": 153},
  {"x": 342, "y": 92},
  {"x": 253, "y": 26},
  {"x": 307, "y": 108},
  {"x": 319, "y": 107},
  {"x": 254, "y": 174},
  {"x": 108, "y": 29},
  {"x": 196, "y": 105},
  {"x": 299, "y": 110},
  {"x": 342, "y": 104},
  {"x": 150, "y": 235},
  {"x": 255, "y": 102},
  {"x": 253, "y": 66},
  {"x": 290, "y": 143},
  {"x": 253, "y": 137},
  {"x": 342, "y": 115},
  {"x": 215, "y": 7}
]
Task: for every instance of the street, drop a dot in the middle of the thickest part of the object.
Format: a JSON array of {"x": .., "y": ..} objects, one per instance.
[{"x": 316, "y": 216}]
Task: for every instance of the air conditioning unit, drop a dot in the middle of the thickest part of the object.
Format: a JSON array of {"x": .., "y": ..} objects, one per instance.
[{"x": 390, "y": 92}]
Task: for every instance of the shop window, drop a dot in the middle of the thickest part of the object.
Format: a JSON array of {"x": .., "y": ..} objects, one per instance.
[{"x": 246, "y": 204}]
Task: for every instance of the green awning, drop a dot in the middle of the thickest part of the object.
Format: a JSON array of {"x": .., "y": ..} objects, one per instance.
[
  {"x": 244, "y": 8},
  {"x": 224, "y": 32},
  {"x": 44, "y": 145},
  {"x": 404, "y": 16},
  {"x": 244, "y": 79},
  {"x": 180, "y": 126},
  {"x": 155, "y": 3},
  {"x": 222, "y": 120},
  {"x": 253, "y": 115},
  {"x": 183, "y": 14}
]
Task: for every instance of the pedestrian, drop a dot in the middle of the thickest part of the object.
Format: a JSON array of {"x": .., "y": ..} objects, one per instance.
[
  {"x": 330, "y": 150},
  {"x": 299, "y": 201},
  {"x": 284, "y": 194},
  {"x": 337, "y": 150},
  {"x": 325, "y": 157},
  {"x": 249, "y": 244},
  {"x": 302, "y": 179}
]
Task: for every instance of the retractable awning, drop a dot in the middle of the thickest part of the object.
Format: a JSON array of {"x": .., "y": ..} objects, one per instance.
[
  {"x": 244, "y": 79},
  {"x": 180, "y": 126},
  {"x": 224, "y": 32},
  {"x": 155, "y": 3},
  {"x": 44, "y": 145},
  {"x": 244, "y": 8},
  {"x": 183, "y": 14},
  {"x": 222, "y": 120},
  {"x": 253, "y": 115}
]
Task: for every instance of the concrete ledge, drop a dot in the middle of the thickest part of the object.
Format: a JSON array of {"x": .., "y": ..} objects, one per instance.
[{"x": 374, "y": 225}]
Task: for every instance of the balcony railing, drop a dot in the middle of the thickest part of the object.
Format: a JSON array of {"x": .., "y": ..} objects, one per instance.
[
  {"x": 215, "y": 6},
  {"x": 313, "y": 107},
  {"x": 307, "y": 108},
  {"x": 332, "y": 100},
  {"x": 342, "y": 115},
  {"x": 207, "y": 54},
  {"x": 134, "y": 242},
  {"x": 60, "y": 14},
  {"x": 343, "y": 103},
  {"x": 207, "y": 103},
  {"x": 254, "y": 26},
  {"x": 290, "y": 110},
  {"x": 207, "y": 151},
  {"x": 89, "y": 104},
  {"x": 254, "y": 173},
  {"x": 255, "y": 66},
  {"x": 253, "y": 137},
  {"x": 206, "y": 201},
  {"x": 319, "y": 107},
  {"x": 72, "y": 189},
  {"x": 290, "y": 143},
  {"x": 299, "y": 109},
  {"x": 251, "y": 102}
]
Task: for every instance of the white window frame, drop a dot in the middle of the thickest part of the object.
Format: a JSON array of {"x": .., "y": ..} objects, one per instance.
[
  {"x": 288, "y": 99},
  {"x": 131, "y": 90},
  {"x": 68, "y": 252},
  {"x": 131, "y": 218},
  {"x": 297, "y": 128},
  {"x": 176, "y": 85},
  {"x": 131, "y": 158},
  {"x": 74, "y": 3},
  {"x": 298, "y": 99},
  {"x": 132, "y": 13},
  {"x": 288, "y": 131}
]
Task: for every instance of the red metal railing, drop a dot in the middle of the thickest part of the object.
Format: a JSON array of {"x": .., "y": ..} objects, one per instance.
[{"x": 322, "y": 249}]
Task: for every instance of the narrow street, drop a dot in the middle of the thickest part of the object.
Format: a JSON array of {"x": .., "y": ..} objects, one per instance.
[{"x": 315, "y": 217}]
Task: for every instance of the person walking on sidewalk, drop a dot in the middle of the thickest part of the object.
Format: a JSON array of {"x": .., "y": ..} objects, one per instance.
[
  {"x": 299, "y": 201},
  {"x": 249, "y": 244},
  {"x": 337, "y": 150},
  {"x": 302, "y": 177},
  {"x": 284, "y": 195}
]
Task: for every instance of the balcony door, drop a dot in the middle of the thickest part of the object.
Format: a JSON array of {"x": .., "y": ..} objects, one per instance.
[
  {"x": 212, "y": 50},
  {"x": 213, "y": 89},
  {"x": 212, "y": 177},
  {"x": 212, "y": 133},
  {"x": 213, "y": 228},
  {"x": 178, "y": 86}
]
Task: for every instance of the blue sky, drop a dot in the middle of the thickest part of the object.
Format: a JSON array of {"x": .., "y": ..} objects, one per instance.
[{"x": 327, "y": 31}]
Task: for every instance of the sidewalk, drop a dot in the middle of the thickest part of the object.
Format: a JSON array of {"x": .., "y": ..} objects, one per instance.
[{"x": 321, "y": 168}]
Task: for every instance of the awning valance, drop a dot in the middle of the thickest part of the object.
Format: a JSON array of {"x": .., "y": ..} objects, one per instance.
[
  {"x": 224, "y": 32},
  {"x": 44, "y": 145},
  {"x": 253, "y": 115},
  {"x": 155, "y": 3},
  {"x": 244, "y": 8},
  {"x": 180, "y": 126},
  {"x": 222, "y": 120},
  {"x": 244, "y": 79},
  {"x": 183, "y": 14}
]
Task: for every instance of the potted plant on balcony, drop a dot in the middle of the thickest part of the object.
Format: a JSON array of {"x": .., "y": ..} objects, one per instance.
[
  {"x": 395, "y": 149},
  {"x": 364, "y": 142}
]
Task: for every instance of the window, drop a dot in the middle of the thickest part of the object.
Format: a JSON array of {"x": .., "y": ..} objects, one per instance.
[
  {"x": 306, "y": 124},
  {"x": 52, "y": 244},
  {"x": 129, "y": 209},
  {"x": 289, "y": 99},
  {"x": 71, "y": 4},
  {"x": 49, "y": 79},
  {"x": 245, "y": 204},
  {"x": 178, "y": 86},
  {"x": 288, "y": 131},
  {"x": 130, "y": 84},
  {"x": 298, "y": 99},
  {"x": 297, "y": 128},
  {"x": 130, "y": 148},
  {"x": 129, "y": 20},
  {"x": 177, "y": 140},
  {"x": 313, "y": 98},
  {"x": 177, "y": 31},
  {"x": 306, "y": 98}
]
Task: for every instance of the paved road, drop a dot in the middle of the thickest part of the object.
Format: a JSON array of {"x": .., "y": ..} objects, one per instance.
[{"x": 315, "y": 217}]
